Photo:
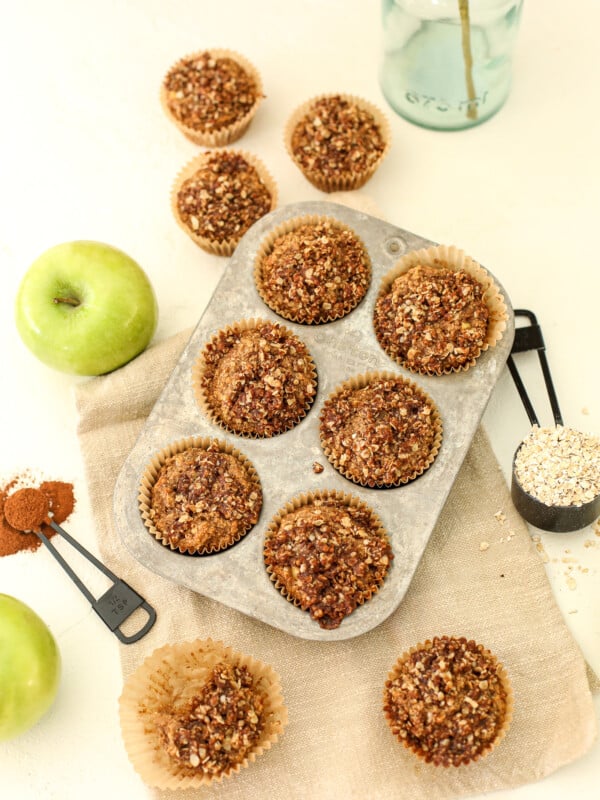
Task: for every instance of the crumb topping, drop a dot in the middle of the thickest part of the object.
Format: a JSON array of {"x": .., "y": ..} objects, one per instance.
[
  {"x": 315, "y": 273},
  {"x": 336, "y": 135},
  {"x": 259, "y": 381},
  {"x": 329, "y": 557},
  {"x": 381, "y": 434},
  {"x": 204, "y": 499},
  {"x": 446, "y": 701},
  {"x": 223, "y": 198},
  {"x": 207, "y": 94},
  {"x": 219, "y": 727},
  {"x": 432, "y": 319}
]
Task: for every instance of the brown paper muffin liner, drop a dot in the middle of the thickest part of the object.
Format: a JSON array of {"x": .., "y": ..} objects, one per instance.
[
  {"x": 201, "y": 370},
  {"x": 150, "y": 477},
  {"x": 227, "y": 134},
  {"x": 165, "y": 682},
  {"x": 302, "y": 315},
  {"x": 413, "y": 746},
  {"x": 339, "y": 181},
  {"x": 359, "y": 382},
  {"x": 307, "y": 499},
  {"x": 217, "y": 247},
  {"x": 451, "y": 257}
]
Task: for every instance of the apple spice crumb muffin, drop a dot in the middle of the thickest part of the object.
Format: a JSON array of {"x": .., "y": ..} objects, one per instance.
[
  {"x": 219, "y": 195},
  {"x": 437, "y": 310},
  {"x": 200, "y": 496},
  {"x": 255, "y": 379},
  {"x": 212, "y": 96},
  {"x": 312, "y": 270},
  {"x": 337, "y": 141},
  {"x": 327, "y": 553},
  {"x": 448, "y": 700},
  {"x": 194, "y": 713},
  {"x": 380, "y": 430}
]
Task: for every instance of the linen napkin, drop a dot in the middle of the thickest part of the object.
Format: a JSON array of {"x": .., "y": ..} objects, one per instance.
[{"x": 480, "y": 577}]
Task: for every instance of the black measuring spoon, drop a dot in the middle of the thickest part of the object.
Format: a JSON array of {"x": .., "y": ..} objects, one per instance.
[
  {"x": 118, "y": 603},
  {"x": 554, "y": 518}
]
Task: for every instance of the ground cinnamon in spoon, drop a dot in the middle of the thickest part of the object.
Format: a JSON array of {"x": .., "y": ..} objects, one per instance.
[
  {"x": 26, "y": 509},
  {"x": 61, "y": 501}
]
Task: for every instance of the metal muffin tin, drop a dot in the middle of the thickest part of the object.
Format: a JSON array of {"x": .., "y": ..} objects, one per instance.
[{"x": 237, "y": 577}]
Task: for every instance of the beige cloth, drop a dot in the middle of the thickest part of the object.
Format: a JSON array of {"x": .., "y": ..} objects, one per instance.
[{"x": 337, "y": 743}]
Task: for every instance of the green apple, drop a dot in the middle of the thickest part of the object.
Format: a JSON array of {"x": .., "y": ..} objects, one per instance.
[
  {"x": 29, "y": 667},
  {"x": 85, "y": 308}
]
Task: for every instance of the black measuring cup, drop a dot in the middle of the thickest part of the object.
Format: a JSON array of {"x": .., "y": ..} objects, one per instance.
[{"x": 554, "y": 518}]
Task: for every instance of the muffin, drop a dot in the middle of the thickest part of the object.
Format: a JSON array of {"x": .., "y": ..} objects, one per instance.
[
  {"x": 380, "y": 430},
  {"x": 255, "y": 378},
  {"x": 212, "y": 96},
  {"x": 197, "y": 712},
  {"x": 312, "y": 270},
  {"x": 219, "y": 195},
  {"x": 437, "y": 311},
  {"x": 327, "y": 553},
  {"x": 337, "y": 141},
  {"x": 448, "y": 700},
  {"x": 200, "y": 496}
]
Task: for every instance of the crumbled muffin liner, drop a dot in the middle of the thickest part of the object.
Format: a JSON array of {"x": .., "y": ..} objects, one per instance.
[
  {"x": 230, "y": 133},
  {"x": 359, "y": 382},
  {"x": 199, "y": 370},
  {"x": 450, "y": 257},
  {"x": 150, "y": 477},
  {"x": 341, "y": 181},
  {"x": 167, "y": 680},
  {"x": 266, "y": 247},
  {"x": 226, "y": 246},
  {"x": 308, "y": 498},
  {"x": 488, "y": 747}
]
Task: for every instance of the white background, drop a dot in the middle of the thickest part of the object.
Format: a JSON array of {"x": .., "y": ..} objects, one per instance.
[{"x": 86, "y": 152}]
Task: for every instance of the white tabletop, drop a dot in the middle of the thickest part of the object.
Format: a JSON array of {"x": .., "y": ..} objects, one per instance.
[{"x": 87, "y": 153}]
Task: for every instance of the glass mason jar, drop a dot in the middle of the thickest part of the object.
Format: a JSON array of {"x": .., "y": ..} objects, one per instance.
[{"x": 447, "y": 64}]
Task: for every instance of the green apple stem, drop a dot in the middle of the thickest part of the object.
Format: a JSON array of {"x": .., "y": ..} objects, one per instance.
[{"x": 70, "y": 301}]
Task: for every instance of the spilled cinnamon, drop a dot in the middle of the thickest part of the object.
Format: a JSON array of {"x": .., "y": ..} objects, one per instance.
[
  {"x": 26, "y": 509},
  {"x": 61, "y": 501}
]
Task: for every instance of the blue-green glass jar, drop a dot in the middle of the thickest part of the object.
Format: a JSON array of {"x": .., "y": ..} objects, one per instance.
[{"x": 447, "y": 64}]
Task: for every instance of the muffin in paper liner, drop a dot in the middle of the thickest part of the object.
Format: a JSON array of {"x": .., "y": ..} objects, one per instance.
[
  {"x": 478, "y": 334},
  {"x": 255, "y": 378},
  {"x": 448, "y": 700},
  {"x": 330, "y": 576},
  {"x": 380, "y": 430},
  {"x": 237, "y": 111},
  {"x": 359, "y": 129},
  {"x": 312, "y": 269},
  {"x": 223, "y": 468},
  {"x": 217, "y": 221},
  {"x": 163, "y": 688}
]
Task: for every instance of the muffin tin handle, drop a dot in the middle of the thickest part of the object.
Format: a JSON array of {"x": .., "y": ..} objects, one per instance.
[
  {"x": 530, "y": 337},
  {"x": 117, "y": 604}
]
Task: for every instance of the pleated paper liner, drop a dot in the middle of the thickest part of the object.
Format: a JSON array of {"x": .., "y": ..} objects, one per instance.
[
  {"x": 343, "y": 501},
  {"x": 338, "y": 179},
  {"x": 164, "y": 684},
  {"x": 230, "y": 132},
  {"x": 374, "y": 479},
  {"x": 203, "y": 372},
  {"x": 308, "y": 310},
  {"x": 447, "y": 257},
  {"x": 152, "y": 472},
  {"x": 213, "y": 244},
  {"x": 426, "y": 754}
]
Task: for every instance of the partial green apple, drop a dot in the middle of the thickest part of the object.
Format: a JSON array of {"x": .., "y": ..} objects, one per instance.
[
  {"x": 85, "y": 308},
  {"x": 29, "y": 667}
]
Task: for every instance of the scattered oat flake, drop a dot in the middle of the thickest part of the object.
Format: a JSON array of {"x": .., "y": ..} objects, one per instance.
[
  {"x": 500, "y": 516},
  {"x": 585, "y": 410},
  {"x": 571, "y": 582},
  {"x": 589, "y": 543},
  {"x": 540, "y": 548},
  {"x": 574, "y": 611},
  {"x": 484, "y": 546}
]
